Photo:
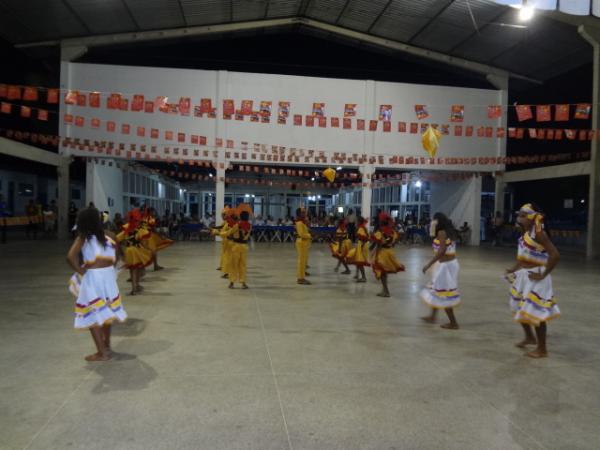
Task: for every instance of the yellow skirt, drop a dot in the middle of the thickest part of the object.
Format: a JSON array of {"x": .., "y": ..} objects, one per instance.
[
  {"x": 359, "y": 255},
  {"x": 340, "y": 251},
  {"x": 385, "y": 262},
  {"x": 137, "y": 257},
  {"x": 156, "y": 242}
]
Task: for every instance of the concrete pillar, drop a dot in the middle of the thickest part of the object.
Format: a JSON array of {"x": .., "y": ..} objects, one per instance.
[
  {"x": 220, "y": 194},
  {"x": 499, "y": 194},
  {"x": 62, "y": 172},
  {"x": 592, "y": 35},
  {"x": 367, "y": 172}
]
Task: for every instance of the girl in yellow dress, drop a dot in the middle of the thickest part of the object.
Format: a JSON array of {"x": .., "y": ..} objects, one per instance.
[
  {"x": 341, "y": 246},
  {"x": 385, "y": 260},
  {"x": 303, "y": 240},
  {"x": 135, "y": 253},
  {"x": 222, "y": 231},
  {"x": 359, "y": 255},
  {"x": 239, "y": 236},
  {"x": 155, "y": 241}
]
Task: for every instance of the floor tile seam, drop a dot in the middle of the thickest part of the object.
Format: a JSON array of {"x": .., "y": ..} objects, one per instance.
[{"x": 275, "y": 381}]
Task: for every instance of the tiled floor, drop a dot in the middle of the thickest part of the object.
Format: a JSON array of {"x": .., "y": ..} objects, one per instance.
[{"x": 283, "y": 366}]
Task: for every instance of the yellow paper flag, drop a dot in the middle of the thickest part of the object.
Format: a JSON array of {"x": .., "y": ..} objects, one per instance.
[
  {"x": 329, "y": 173},
  {"x": 431, "y": 140}
]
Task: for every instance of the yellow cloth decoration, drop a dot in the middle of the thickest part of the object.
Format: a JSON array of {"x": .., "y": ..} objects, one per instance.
[
  {"x": 431, "y": 140},
  {"x": 329, "y": 173}
]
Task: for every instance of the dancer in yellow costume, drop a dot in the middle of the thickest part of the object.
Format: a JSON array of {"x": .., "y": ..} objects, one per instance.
[
  {"x": 359, "y": 255},
  {"x": 239, "y": 235},
  {"x": 155, "y": 241},
  {"x": 222, "y": 231},
  {"x": 385, "y": 260},
  {"x": 341, "y": 246},
  {"x": 303, "y": 240},
  {"x": 135, "y": 254}
]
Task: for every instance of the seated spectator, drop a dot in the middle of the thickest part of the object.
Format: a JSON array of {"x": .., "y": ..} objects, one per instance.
[{"x": 464, "y": 234}]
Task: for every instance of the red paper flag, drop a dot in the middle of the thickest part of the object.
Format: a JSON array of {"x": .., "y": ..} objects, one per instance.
[
  {"x": 494, "y": 111},
  {"x": 79, "y": 121},
  {"x": 335, "y": 122},
  {"x": 480, "y": 131},
  {"x": 141, "y": 131},
  {"x": 571, "y": 134},
  {"x": 3, "y": 90},
  {"x": 113, "y": 101},
  {"x": 322, "y": 122},
  {"x": 347, "y": 123},
  {"x": 228, "y": 107},
  {"x": 125, "y": 128},
  {"x": 582, "y": 111},
  {"x": 297, "y": 119},
  {"x": 489, "y": 132},
  {"x": 532, "y": 133},
  {"x": 561, "y": 113},
  {"x": 558, "y": 135},
  {"x": 42, "y": 115},
  {"x": 168, "y": 135},
  {"x": 541, "y": 133},
  {"x": 95, "y": 123},
  {"x": 81, "y": 100},
  {"x": 180, "y": 137},
  {"x": 360, "y": 124},
  {"x": 469, "y": 131},
  {"x": 185, "y": 105},
  {"x": 458, "y": 130},
  {"x": 52, "y": 96},
  {"x": 30, "y": 94},
  {"x": 387, "y": 126},
  {"x": 154, "y": 133},
  {"x": 500, "y": 133},
  {"x": 94, "y": 99},
  {"x": 523, "y": 112},
  {"x": 124, "y": 104},
  {"x": 5, "y": 108},
  {"x": 372, "y": 125},
  {"x": 247, "y": 107},
  {"x": 512, "y": 132},
  {"x": 582, "y": 135},
  {"x": 111, "y": 126},
  {"x": 205, "y": 105},
  {"x": 414, "y": 128},
  {"x": 401, "y": 127},
  {"x": 149, "y": 106},
  {"x": 71, "y": 97},
  {"x": 25, "y": 112},
  {"x": 14, "y": 92},
  {"x": 457, "y": 113},
  {"x": 137, "y": 104},
  {"x": 309, "y": 121},
  {"x": 543, "y": 113},
  {"x": 550, "y": 134},
  {"x": 203, "y": 142}
]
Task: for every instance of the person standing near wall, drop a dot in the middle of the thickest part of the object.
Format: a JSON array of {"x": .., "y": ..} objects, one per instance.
[
  {"x": 498, "y": 225},
  {"x": 31, "y": 212},
  {"x": 351, "y": 221}
]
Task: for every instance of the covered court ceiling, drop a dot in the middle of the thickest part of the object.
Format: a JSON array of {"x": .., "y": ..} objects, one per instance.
[{"x": 475, "y": 30}]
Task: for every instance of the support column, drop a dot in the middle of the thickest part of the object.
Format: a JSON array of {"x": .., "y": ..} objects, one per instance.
[
  {"x": 367, "y": 172},
  {"x": 220, "y": 194},
  {"x": 62, "y": 172},
  {"x": 592, "y": 248},
  {"x": 499, "y": 194}
]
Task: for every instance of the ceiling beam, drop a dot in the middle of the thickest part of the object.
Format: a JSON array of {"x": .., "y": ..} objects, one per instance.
[
  {"x": 142, "y": 36},
  {"x": 478, "y": 32},
  {"x": 29, "y": 152},
  {"x": 131, "y": 17},
  {"x": 302, "y": 8},
  {"x": 379, "y": 16},
  {"x": 429, "y": 22},
  {"x": 182, "y": 12}
]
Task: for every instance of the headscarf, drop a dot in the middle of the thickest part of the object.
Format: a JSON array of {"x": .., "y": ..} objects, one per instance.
[{"x": 535, "y": 216}]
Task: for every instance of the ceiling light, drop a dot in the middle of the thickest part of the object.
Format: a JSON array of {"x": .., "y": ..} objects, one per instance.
[
  {"x": 418, "y": 183},
  {"x": 526, "y": 12}
]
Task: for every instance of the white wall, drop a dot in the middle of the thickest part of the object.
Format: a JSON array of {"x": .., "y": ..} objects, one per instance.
[
  {"x": 104, "y": 183},
  {"x": 302, "y": 92},
  {"x": 461, "y": 202}
]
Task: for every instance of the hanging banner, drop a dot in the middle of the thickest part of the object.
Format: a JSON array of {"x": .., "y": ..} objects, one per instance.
[
  {"x": 457, "y": 113},
  {"x": 494, "y": 111},
  {"x": 582, "y": 111},
  {"x": 297, "y": 120},
  {"x": 247, "y": 107},
  {"x": 113, "y": 101},
  {"x": 421, "y": 112},
  {"x": 385, "y": 112},
  {"x": 265, "y": 108},
  {"x": 561, "y": 113},
  {"x": 318, "y": 109},
  {"x": 137, "y": 104},
  {"x": 543, "y": 113},
  {"x": 350, "y": 110},
  {"x": 30, "y": 94},
  {"x": 523, "y": 112},
  {"x": 205, "y": 105},
  {"x": 228, "y": 108}
]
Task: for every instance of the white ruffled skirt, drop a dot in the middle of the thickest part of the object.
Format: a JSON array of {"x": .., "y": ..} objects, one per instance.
[
  {"x": 98, "y": 300},
  {"x": 442, "y": 291},
  {"x": 532, "y": 302}
]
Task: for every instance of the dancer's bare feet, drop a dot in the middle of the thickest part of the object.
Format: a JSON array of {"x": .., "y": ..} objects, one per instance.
[
  {"x": 244, "y": 286},
  {"x": 98, "y": 357},
  {"x": 428, "y": 319},
  {"x": 303, "y": 281},
  {"x": 537, "y": 353},
  {"x": 383, "y": 294},
  {"x": 361, "y": 280},
  {"x": 525, "y": 342},
  {"x": 231, "y": 286},
  {"x": 450, "y": 326},
  {"x": 158, "y": 268},
  {"x": 346, "y": 272}
]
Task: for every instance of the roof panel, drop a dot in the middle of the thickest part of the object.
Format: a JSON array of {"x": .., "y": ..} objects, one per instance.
[
  {"x": 156, "y": 14},
  {"x": 245, "y": 10},
  {"x": 325, "y": 10},
  {"x": 103, "y": 16},
  {"x": 45, "y": 19},
  {"x": 204, "y": 12},
  {"x": 360, "y": 14},
  {"x": 283, "y": 8}
]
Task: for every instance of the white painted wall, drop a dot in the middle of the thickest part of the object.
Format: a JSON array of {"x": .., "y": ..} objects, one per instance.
[
  {"x": 302, "y": 92},
  {"x": 461, "y": 202},
  {"x": 104, "y": 184}
]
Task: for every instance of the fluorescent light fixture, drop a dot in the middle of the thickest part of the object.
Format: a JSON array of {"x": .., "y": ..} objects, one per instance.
[{"x": 418, "y": 183}]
